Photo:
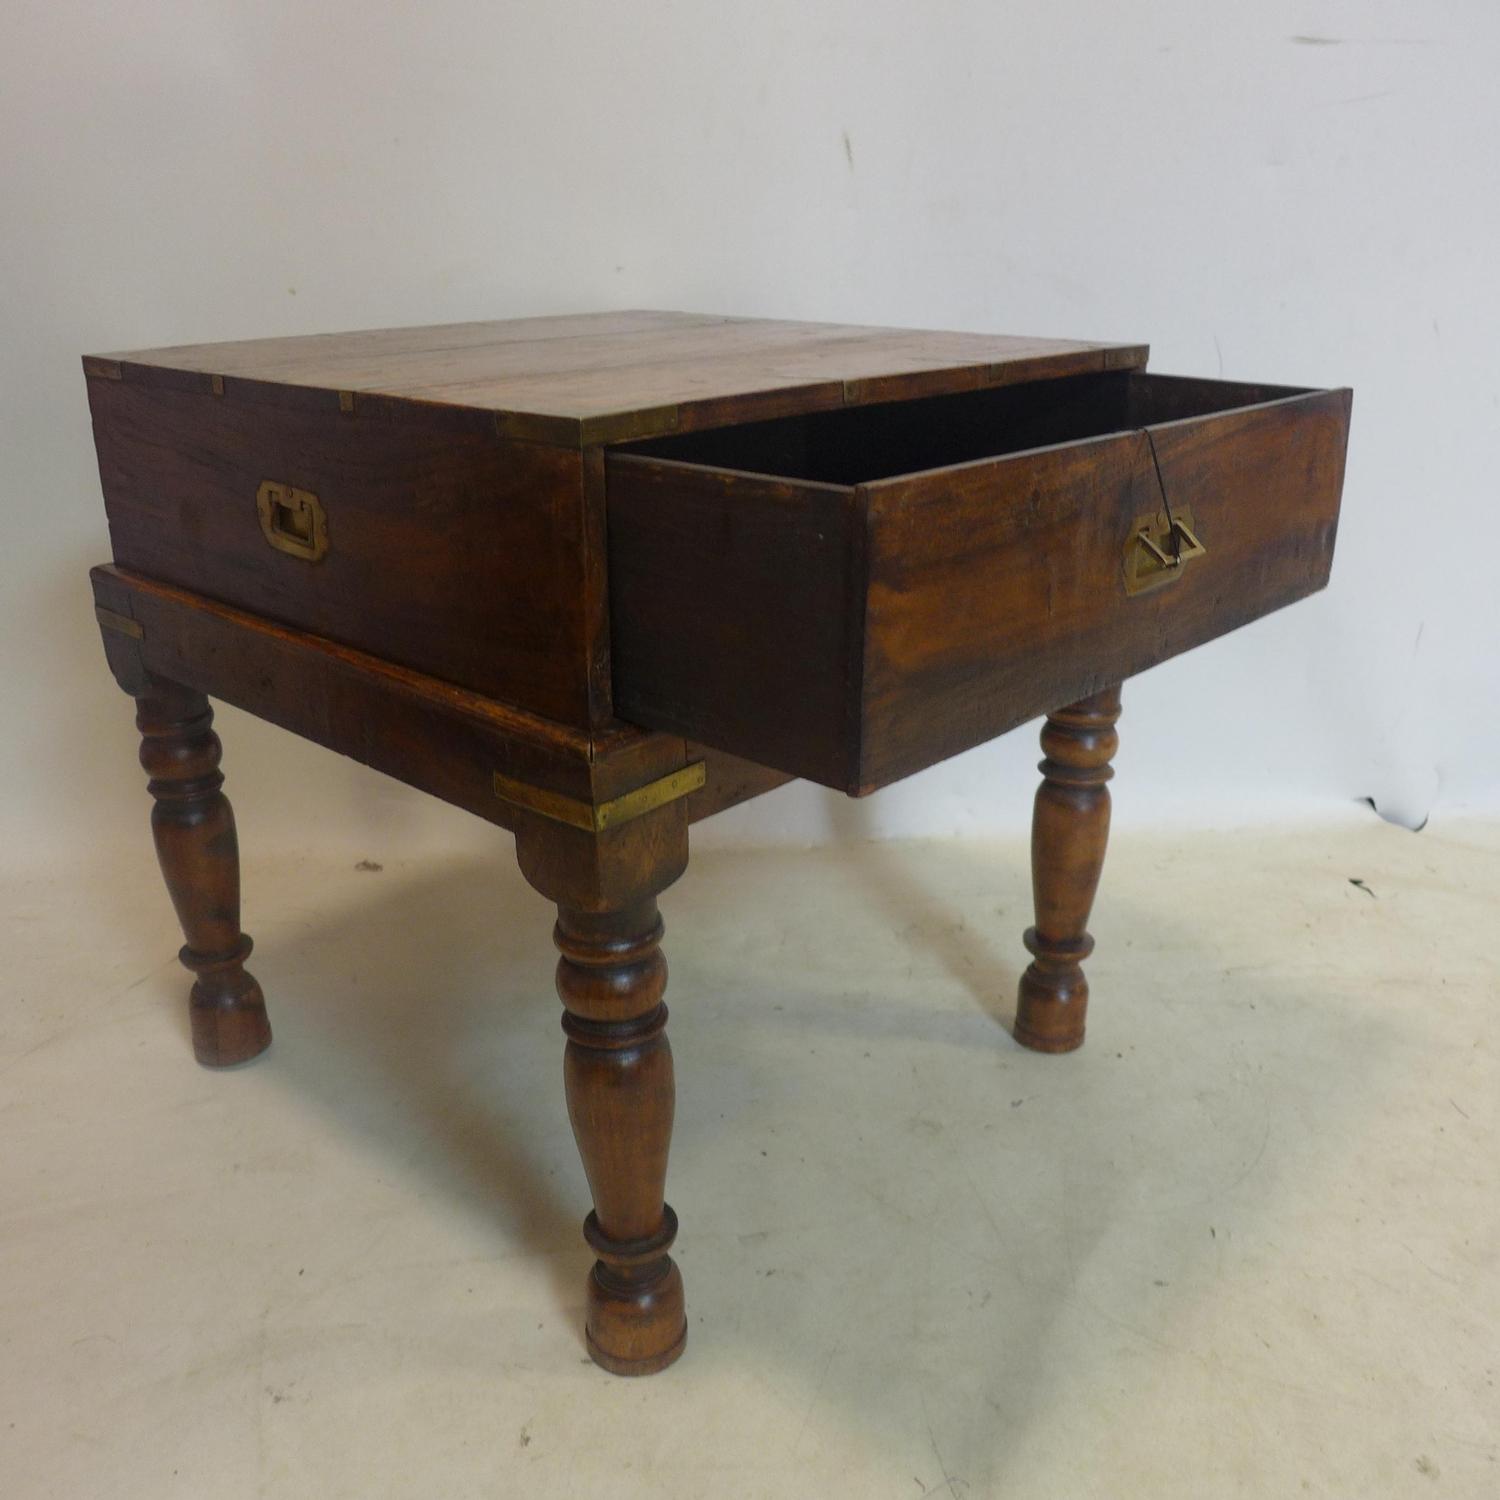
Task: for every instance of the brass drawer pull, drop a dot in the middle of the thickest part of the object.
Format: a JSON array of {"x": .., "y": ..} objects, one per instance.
[
  {"x": 1158, "y": 547},
  {"x": 293, "y": 521},
  {"x": 1155, "y": 551}
]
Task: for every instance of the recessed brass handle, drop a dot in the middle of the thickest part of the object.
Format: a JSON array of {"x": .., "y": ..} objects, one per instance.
[
  {"x": 1157, "y": 549},
  {"x": 293, "y": 521}
]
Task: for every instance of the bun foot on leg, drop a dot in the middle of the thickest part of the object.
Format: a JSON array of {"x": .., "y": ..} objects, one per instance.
[{"x": 227, "y": 1010}]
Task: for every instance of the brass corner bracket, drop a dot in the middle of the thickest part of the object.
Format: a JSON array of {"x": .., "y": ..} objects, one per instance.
[
  {"x": 122, "y": 624},
  {"x": 595, "y": 817}
]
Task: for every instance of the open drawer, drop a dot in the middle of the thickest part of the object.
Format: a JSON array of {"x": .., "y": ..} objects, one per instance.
[{"x": 852, "y": 595}]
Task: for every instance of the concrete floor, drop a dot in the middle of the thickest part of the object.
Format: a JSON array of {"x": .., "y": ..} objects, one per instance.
[{"x": 1244, "y": 1244}]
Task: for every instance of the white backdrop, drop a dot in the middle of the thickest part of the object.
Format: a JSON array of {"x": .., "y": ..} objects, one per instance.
[{"x": 1301, "y": 193}]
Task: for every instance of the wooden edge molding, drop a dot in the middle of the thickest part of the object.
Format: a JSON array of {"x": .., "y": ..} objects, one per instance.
[{"x": 477, "y": 753}]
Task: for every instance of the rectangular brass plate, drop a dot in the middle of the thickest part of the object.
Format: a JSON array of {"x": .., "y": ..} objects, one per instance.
[
  {"x": 122, "y": 623},
  {"x": 595, "y": 818},
  {"x": 293, "y": 521}
]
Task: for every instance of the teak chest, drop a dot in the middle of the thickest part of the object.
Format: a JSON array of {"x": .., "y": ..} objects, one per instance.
[{"x": 594, "y": 578}]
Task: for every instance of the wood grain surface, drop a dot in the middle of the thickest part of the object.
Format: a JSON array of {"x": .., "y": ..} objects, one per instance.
[
  {"x": 456, "y": 553},
  {"x": 601, "y": 377}
]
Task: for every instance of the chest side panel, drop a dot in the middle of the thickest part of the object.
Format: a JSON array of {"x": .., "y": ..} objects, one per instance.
[{"x": 448, "y": 550}]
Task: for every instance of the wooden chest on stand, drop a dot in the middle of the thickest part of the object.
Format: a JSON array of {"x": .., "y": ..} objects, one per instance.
[{"x": 594, "y": 578}]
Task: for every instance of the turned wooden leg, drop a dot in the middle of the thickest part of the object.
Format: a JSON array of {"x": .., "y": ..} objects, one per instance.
[
  {"x": 1069, "y": 830},
  {"x": 618, "y": 1073},
  {"x": 199, "y": 855}
]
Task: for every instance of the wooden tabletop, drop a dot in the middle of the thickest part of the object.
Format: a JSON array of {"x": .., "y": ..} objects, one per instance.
[{"x": 604, "y": 377}]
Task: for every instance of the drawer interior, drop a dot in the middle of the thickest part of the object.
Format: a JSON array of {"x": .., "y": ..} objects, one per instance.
[{"x": 860, "y": 444}]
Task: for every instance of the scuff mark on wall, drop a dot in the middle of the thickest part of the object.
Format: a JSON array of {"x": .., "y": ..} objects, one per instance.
[{"x": 1363, "y": 41}]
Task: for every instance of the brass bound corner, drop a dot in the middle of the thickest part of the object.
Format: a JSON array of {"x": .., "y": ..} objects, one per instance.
[{"x": 596, "y": 817}]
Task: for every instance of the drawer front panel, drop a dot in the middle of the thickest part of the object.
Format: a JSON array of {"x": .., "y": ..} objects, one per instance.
[
  {"x": 735, "y": 605},
  {"x": 450, "y": 552},
  {"x": 997, "y": 591}
]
